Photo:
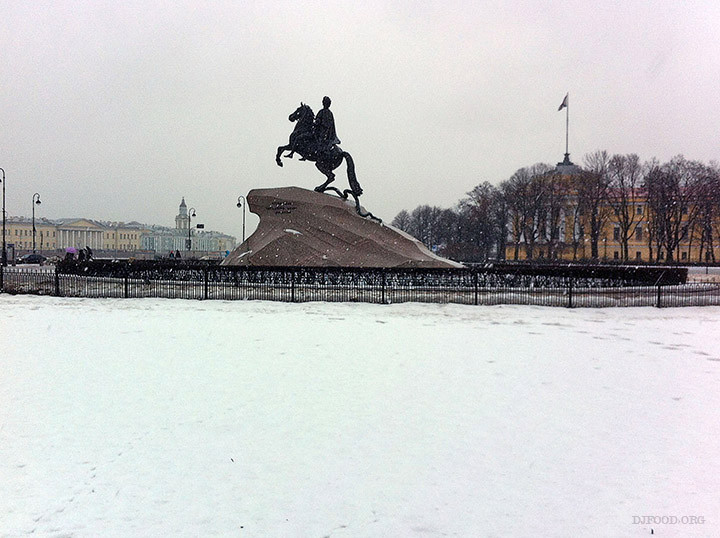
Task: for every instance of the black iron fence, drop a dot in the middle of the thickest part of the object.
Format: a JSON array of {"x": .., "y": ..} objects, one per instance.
[{"x": 475, "y": 286}]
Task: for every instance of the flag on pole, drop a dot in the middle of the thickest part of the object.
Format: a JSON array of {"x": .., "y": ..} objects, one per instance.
[{"x": 564, "y": 103}]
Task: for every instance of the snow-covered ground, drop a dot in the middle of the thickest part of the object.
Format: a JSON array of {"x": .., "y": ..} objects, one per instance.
[{"x": 157, "y": 417}]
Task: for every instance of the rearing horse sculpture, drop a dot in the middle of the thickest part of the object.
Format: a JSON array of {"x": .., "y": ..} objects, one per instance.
[{"x": 326, "y": 157}]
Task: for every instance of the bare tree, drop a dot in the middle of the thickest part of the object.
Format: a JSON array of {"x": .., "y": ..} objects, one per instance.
[
  {"x": 591, "y": 187},
  {"x": 708, "y": 216},
  {"x": 424, "y": 225},
  {"x": 402, "y": 221},
  {"x": 625, "y": 175},
  {"x": 515, "y": 213},
  {"x": 578, "y": 232},
  {"x": 673, "y": 194},
  {"x": 442, "y": 230},
  {"x": 479, "y": 215},
  {"x": 556, "y": 190},
  {"x": 714, "y": 194},
  {"x": 451, "y": 234},
  {"x": 525, "y": 194},
  {"x": 500, "y": 217}
]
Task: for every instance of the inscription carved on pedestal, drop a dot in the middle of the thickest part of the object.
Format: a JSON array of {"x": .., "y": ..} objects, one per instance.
[{"x": 282, "y": 208}]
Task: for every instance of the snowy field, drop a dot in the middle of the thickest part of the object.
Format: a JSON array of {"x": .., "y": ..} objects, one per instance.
[{"x": 155, "y": 417}]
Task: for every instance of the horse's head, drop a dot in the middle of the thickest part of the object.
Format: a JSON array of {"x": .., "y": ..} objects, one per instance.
[{"x": 302, "y": 113}]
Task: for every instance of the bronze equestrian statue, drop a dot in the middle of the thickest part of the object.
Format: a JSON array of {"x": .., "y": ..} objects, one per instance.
[{"x": 314, "y": 138}]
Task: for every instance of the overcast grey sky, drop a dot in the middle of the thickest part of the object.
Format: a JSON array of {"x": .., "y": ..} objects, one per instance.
[{"x": 115, "y": 110}]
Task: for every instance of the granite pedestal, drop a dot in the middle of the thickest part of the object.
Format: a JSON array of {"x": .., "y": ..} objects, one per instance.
[{"x": 300, "y": 227}]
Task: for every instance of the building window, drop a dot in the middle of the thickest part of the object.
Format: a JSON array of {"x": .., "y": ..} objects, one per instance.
[
  {"x": 616, "y": 233},
  {"x": 639, "y": 232},
  {"x": 639, "y": 210},
  {"x": 638, "y": 255},
  {"x": 684, "y": 256},
  {"x": 616, "y": 255}
]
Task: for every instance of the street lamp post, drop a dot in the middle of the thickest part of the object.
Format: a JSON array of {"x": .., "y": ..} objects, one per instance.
[
  {"x": 242, "y": 204},
  {"x": 36, "y": 201},
  {"x": 191, "y": 214},
  {"x": 4, "y": 250}
]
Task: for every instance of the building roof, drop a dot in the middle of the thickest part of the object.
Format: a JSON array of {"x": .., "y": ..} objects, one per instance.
[{"x": 567, "y": 167}]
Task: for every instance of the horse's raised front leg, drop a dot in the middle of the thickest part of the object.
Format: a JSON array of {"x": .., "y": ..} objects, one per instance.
[{"x": 279, "y": 153}]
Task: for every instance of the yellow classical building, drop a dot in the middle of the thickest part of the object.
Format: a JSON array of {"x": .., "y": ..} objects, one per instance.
[
  {"x": 570, "y": 239},
  {"x": 575, "y": 244},
  {"x": 19, "y": 234},
  {"x": 71, "y": 233}
]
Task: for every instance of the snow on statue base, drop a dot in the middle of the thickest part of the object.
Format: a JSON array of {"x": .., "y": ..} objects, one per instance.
[{"x": 299, "y": 227}]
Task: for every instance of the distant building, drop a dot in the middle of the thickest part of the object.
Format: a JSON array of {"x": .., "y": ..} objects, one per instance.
[
  {"x": 98, "y": 235},
  {"x": 182, "y": 220},
  {"x": 539, "y": 236},
  {"x": 76, "y": 233},
  {"x": 114, "y": 237},
  {"x": 163, "y": 240}
]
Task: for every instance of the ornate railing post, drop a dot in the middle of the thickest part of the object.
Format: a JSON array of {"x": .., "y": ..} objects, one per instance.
[
  {"x": 476, "y": 285},
  {"x": 570, "y": 293},
  {"x": 384, "y": 284},
  {"x": 205, "y": 278},
  {"x": 292, "y": 285}
]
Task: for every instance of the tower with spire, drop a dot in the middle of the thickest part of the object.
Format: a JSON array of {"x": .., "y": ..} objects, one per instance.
[{"x": 182, "y": 221}]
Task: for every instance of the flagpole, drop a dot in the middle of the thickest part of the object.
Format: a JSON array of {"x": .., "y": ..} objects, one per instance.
[
  {"x": 567, "y": 129},
  {"x": 566, "y": 104}
]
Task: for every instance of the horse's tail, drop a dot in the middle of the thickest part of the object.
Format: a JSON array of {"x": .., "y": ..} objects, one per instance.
[{"x": 352, "y": 178}]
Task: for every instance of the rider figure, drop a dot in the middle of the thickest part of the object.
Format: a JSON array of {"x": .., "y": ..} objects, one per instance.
[{"x": 324, "y": 127}]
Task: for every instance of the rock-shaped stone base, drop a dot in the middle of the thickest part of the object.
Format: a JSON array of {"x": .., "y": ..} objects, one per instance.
[{"x": 304, "y": 228}]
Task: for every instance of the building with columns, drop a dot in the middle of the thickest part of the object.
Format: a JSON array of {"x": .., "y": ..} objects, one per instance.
[
  {"x": 73, "y": 233},
  {"x": 132, "y": 238}
]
